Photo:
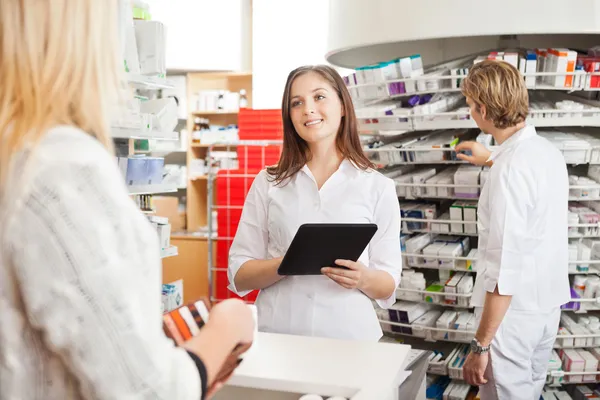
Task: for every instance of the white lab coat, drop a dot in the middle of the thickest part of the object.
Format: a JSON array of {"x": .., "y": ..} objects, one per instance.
[
  {"x": 523, "y": 251},
  {"x": 315, "y": 305}
]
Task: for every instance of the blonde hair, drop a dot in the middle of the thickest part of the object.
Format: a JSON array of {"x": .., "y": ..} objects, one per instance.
[
  {"x": 500, "y": 87},
  {"x": 59, "y": 65}
]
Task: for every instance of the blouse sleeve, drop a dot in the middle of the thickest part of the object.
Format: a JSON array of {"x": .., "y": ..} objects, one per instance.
[
  {"x": 76, "y": 259},
  {"x": 251, "y": 238},
  {"x": 384, "y": 250}
]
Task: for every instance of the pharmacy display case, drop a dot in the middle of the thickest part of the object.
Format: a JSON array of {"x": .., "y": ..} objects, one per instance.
[
  {"x": 145, "y": 119},
  {"x": 409, "y": 62}
]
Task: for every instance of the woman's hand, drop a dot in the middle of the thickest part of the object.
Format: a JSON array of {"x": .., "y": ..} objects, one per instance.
[
  {"x": 236, "y": 316},
  {"x": 232, "y": 316},
  {"x": 352, "y": 278},
  {"x": 479, "y": 153}
]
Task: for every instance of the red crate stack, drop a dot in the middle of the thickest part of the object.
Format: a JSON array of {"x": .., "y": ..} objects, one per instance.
[
  {"x": 232, "y": 186},
  {"x": 260, "y": 125},
  {"x": 254, "y": 158}
]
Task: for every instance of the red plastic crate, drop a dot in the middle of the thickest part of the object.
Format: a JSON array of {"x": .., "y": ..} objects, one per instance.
[
  {"x": 220, "y": 285},
  {"x": 232, "y": 189},
  {"x": 270, "y": 151},
  {"x": 249, "y": 114},
  {"x": 222, "y": 292},
  {"x": 260, "y": 134},
  {"x": 227, "y": 221},
  {"x": 260, "y": 125},
  {"x": 223, "y": 247},
  {"x": 256, "y": 158}
]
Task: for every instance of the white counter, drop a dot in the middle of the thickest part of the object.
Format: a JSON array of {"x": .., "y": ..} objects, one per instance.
[{"x": 296, "y": 365}]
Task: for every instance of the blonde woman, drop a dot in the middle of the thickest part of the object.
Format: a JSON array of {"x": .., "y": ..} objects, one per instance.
[{"x": 80, "y": 266}]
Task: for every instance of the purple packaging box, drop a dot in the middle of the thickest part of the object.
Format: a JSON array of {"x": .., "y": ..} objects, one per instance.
[
  {"x": 572, "y": 305},
  {"x": 155, "y": 170},
  {"x": 137, "y": 171}
]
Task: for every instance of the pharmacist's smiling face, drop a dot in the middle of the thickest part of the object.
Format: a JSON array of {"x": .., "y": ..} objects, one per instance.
[{"x": 315, "y": 108}]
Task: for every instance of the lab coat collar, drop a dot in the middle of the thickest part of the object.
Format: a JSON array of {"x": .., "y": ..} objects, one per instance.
[
  {"x": 526, "y": 133},
  {"x": 346, "y": 166}
]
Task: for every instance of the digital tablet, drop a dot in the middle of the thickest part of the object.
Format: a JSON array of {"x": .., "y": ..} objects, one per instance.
[{"x": 318, "y": 245}]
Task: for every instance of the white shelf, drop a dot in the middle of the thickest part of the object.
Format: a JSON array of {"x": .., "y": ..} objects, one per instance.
[
  {"x": 387, "y": 123},
  {"x": 583, "y": 199},
  {"x": 591, "y": 271},
  {"x": 583, "y": 236},
  {"x": 418, "y": 255},
  {"x": 444, "y": 81},
  {"x": 399, "y": 297},
  {"x": 443, "y": 124},
  {"x": 439, "y": 221},
  {"x": 408, "y": 231},
  {"x": 151, "y": 189},
  {"x": 440, "y": 268},
  {"x": 365, "y": 125},
  {"x": 443, "y": 294},
  {"x": 564, "y": 121},
  {"x": 148, "y": 82},
  {"x": 423, "y": 162},
  {"x": 427, "y": 329},
  {"x": 170, "y": 251},
  {"x": 131, "y": 133}
]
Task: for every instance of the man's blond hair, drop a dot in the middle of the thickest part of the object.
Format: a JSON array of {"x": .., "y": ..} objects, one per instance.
[{"x": 501, "y": 89}]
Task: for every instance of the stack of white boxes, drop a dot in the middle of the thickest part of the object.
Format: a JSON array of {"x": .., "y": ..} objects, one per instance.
[
  {"x": 467, "y": 176},
  {"x": 163, "y": 230},
  {"x": 427, "y": 320},
  {"x": 460, "y": 283},
  {"x": 409, "y": 178},
  {"x": 445, "y": 321},
  {"x": 150, "y": 37},
  {"x": 446, "y": 177},
  {"x": 464, "y": 210},
  {"x": 415, "y": 245},
  {"x": 578, "y": 359}
]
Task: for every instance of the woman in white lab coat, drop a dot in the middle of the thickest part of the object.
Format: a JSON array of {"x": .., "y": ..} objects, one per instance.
[{"x": 322, "y": 176}]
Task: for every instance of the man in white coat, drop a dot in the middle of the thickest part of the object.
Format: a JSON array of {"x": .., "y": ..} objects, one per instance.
[{"x": 522, "y": 269}]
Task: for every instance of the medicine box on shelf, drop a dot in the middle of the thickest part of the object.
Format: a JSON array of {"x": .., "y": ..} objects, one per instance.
[
  {"x": 446, "y": 321},
  {"x": 406, "y": 313},
  {"x": 141, "y": 170},
  {"x": 455, "y": 367},
  {"x": 439, "y": 363},
  {"x": 163, "y": 229}
]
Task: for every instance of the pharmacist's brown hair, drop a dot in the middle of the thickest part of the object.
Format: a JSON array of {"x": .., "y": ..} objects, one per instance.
[
  {"x": 500, "y": 87},
  {"x": 295, "y": 152}
]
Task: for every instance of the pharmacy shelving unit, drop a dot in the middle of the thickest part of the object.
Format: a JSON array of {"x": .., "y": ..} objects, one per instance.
[
  {"x": 577, "y": 231},
  {"x": 197, "y": 205},
  {"x": 449, "y": 36},
  {"x": 138, "y": 127}
]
